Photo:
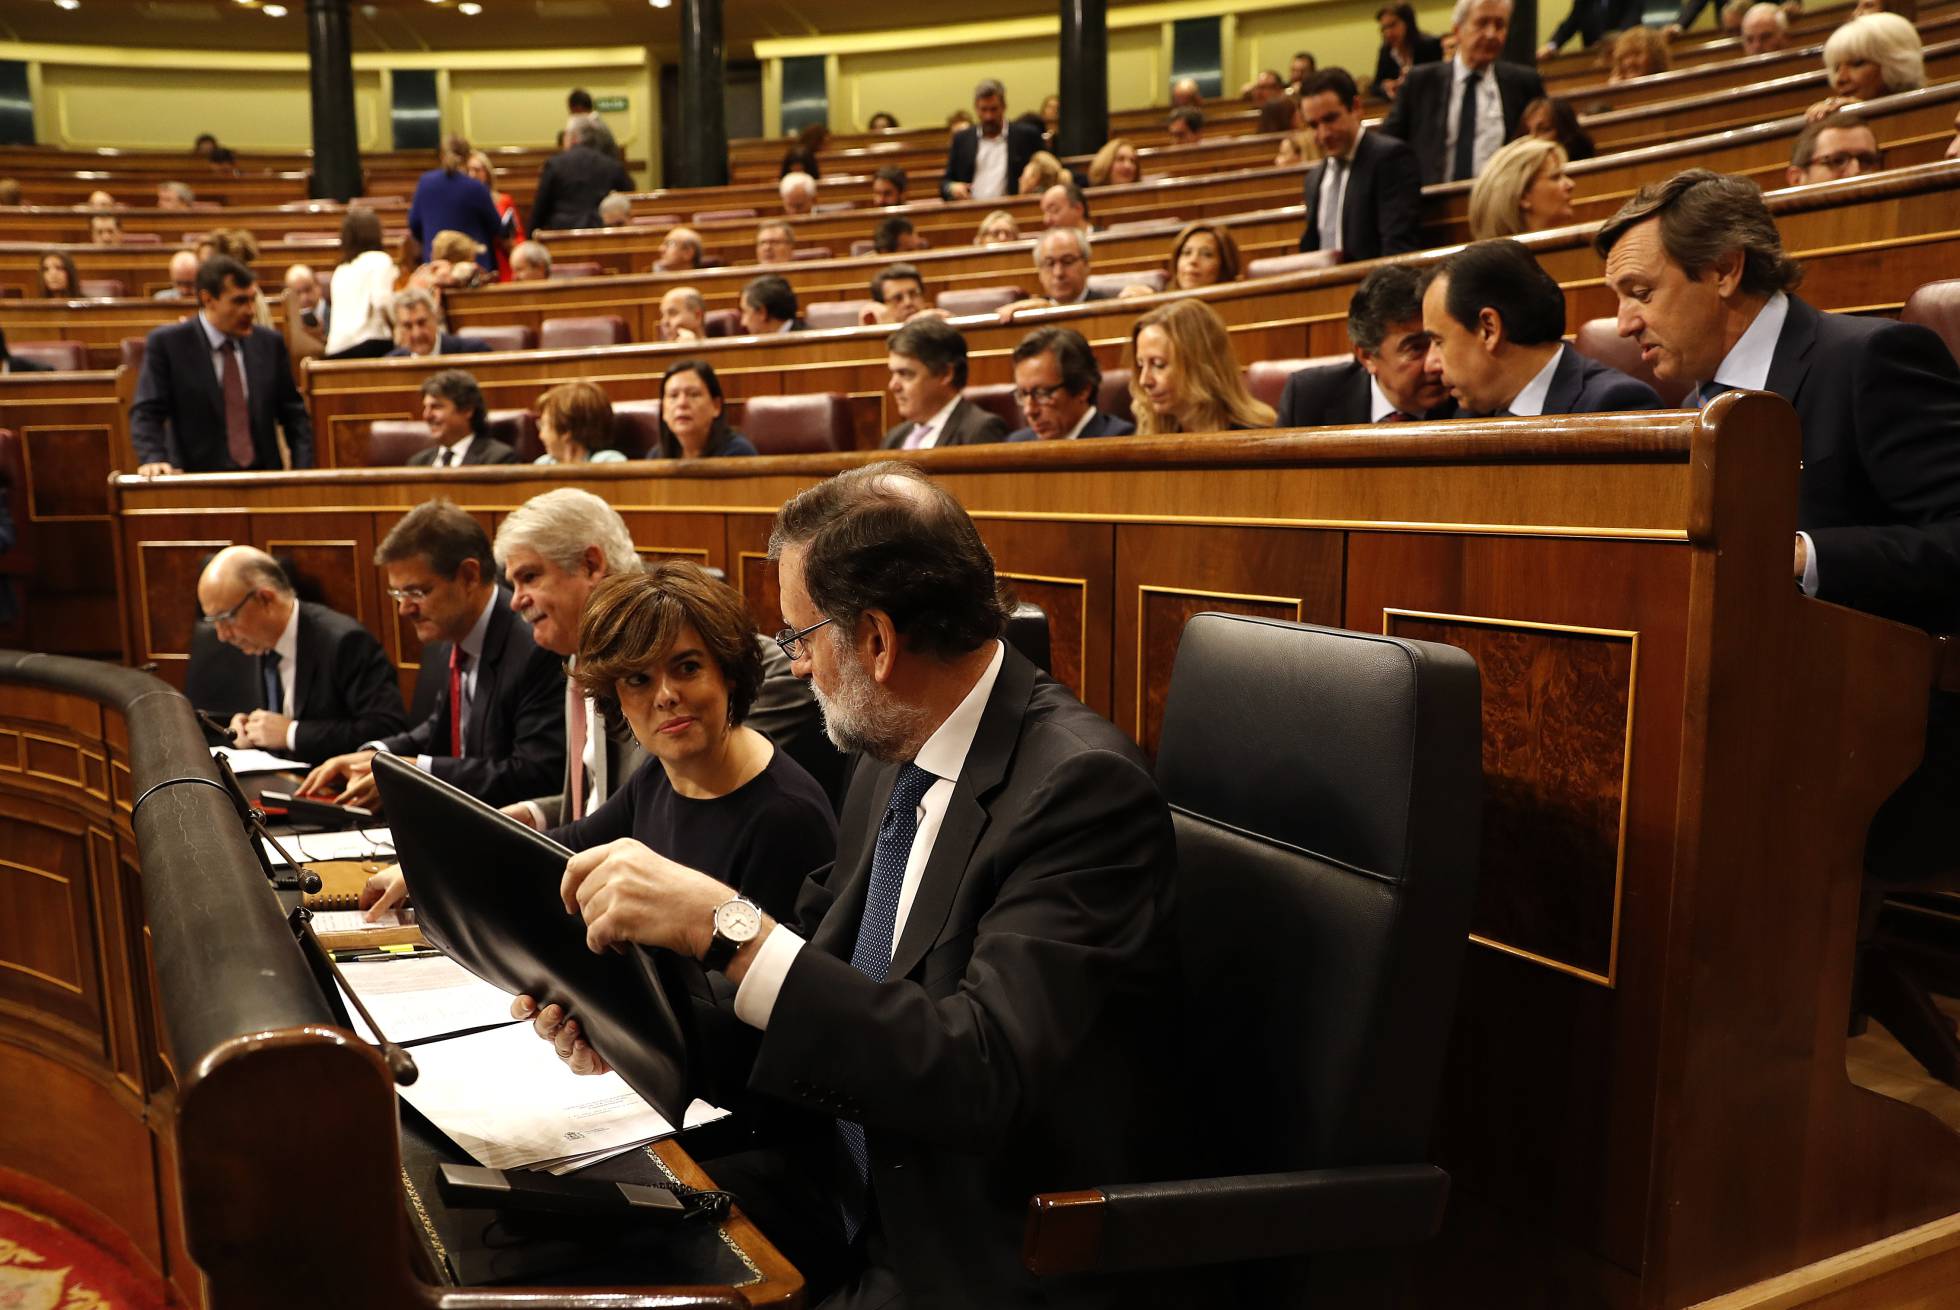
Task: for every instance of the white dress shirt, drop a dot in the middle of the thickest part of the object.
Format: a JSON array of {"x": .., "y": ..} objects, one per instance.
[
  {"x": 362, "y": 291},
  {"x": 1333, "y": 195},
  {"x": 990, "y": 178},
  {"x": 1080, "y": 424},
  {"x": 1379, "y": 405},
  {"x": 1489, "y": 137},
  {"x": 594, "y": 754},
  {"x": 1746, "y": 368},
  {"x": 944, "y": 756},
  {"x": 456, "y": 452},
  {"x": 1530, "y": 402},
  {"x": 287, "y": 649},
  {"x": 937, "y": 426},
  {"x": 472, "y": 646}
]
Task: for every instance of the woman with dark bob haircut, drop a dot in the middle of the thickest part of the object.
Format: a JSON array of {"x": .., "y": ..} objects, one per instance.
[
  {"x": 671, "y": 654},
  {"x": 691, "y": 421}
]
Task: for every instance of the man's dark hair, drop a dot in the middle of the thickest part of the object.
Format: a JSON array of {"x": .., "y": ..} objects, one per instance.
[
  {"x": 934, "y": 343},
  {"x": 579, "y": 101},
  {"x": 886, "y": 236},
  {"x": 1074, "y": 193},
  {"x": 894, "y": 273},
  {"x": 460, "y": 389},
  {"x": 1501, "y": 275},
  {"x": 1190, "y": 117},
  {"x": 886, "y": 537},
  {"x": 442, "y": 533},
  {"x": 213, "y": 272},
  {"x": 1806, "y": 147},
  {"x": 772, "y": 294},
  {"x": 1704, "y": 215},
  {"x": 893, "y": 174},
  {"x": 1081, "y": 376},
  {"x": 1337, "y": 80},
  {"x": 1389, "y": 295}
]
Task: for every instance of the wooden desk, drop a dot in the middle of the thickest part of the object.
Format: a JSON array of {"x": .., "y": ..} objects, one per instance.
[
  {"x": 165, "y": 1056},
  {"x": 1648, "y": 1102}
]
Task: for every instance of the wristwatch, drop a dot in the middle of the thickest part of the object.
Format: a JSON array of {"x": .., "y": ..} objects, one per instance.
[{"x": 737, "y": 921}]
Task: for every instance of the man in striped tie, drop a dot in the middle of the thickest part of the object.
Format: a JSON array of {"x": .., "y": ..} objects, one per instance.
[{"x": 961, "y": 1003}]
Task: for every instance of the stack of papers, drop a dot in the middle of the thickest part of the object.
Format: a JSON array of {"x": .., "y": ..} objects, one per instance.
[
  {"x": 358, "y": 844},
  {"x": 418, "y": 997},
  {"x": 247, "y": 760}
]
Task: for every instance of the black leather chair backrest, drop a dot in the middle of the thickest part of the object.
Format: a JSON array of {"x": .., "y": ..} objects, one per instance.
[{"x": 1326, "y": 789}]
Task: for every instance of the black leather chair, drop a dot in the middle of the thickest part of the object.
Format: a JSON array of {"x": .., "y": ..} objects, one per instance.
[
  {"x": 1326, "y": 790},
  {"x": 1027, "y": 632}
]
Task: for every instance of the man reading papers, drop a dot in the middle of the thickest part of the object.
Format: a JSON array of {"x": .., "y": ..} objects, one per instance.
[{"x": 960, "y": 1005}]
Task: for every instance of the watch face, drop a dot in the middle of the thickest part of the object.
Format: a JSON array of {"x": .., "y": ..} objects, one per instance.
[{"x": 738, "y": 920}]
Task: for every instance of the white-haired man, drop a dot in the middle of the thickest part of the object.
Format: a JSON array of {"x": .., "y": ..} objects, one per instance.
[
  {"x": 799, "y": 193},
  {"x": 1428, "y": 111}
]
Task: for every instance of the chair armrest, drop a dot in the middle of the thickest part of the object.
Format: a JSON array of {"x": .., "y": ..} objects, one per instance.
[{"x": 1204, "y": 1221}]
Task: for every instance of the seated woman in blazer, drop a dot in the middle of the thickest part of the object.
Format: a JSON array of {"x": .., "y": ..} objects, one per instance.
[
  {"x": 1183, "y": 376},
  {"x": 575, "y": 423},
  {"x": 691, "y": 422}
]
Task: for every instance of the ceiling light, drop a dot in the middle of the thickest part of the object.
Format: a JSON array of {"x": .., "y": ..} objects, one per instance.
[
  {"x": 273, "y": 11},
  {"x": 469, "y": 8},
  {"x": 68, "y": 4},
  {"x": 660, "y": 4}
]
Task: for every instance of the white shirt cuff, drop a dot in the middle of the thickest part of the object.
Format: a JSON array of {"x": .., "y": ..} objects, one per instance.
[
  {"x": 1809, "y": 564},
  {"x": 292, "y": 736},
  {"x": 537, "y": 815},
  {"x": 376, "y": 746},
  {"x": 422, "y": 762},
  {"x": 756, "y": 997}
]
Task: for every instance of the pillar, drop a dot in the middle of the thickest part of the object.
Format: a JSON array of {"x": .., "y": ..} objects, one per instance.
[
  {"x": 330, "y": 82},
  {"x": 1085, "y": 77},
  {"x": 703, "y": 129}
]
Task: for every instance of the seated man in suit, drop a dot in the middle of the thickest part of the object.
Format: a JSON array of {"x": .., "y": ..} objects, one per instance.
[
  {"x": 419, "y": 331},
  {"x": 1364, "y": 198},
  {"x": 1391, "y": 377},
  {"x": 1495, "y": 321},
  {"x": 984, "y": 162},
  {"x": 183, "y": 277},
  {"x": 452, "y": 406},
  {"x": 900, "y": 291},
  {"x": 927, "y": 359},
  {"x": 1878, "y": 505},
  {"x": 325, "y": 685},
  {"x": 1186, "y": 125},
  {"x": 680, "y": 251},
  {"x": 1428, "y": 111},
  {"x": 888, "y": 186},
  {"x": 768, "y": 305},
  {"x": 961, "y": 1010},
  {"x": 1064, "y": 205},
  {"x": 775, "y": 243},
  {"x": 497, "y": 730},
  {"x": 1835, "y": 146},
  {"x": 216, "y": 389},
  {"x": 1061, "y": 262},
  {"x": 1056, "y": 382},
  {"x": 683, "y": 315}
]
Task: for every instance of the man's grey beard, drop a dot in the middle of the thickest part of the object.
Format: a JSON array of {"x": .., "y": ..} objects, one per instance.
[{"x": 864, "y": 717}]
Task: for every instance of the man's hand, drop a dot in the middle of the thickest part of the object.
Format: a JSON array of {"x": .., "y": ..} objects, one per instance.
[
  {"x": 1547, "y": 51},
  {"x": 959, "y": 190},
  {"x": 261, "y": 728},
  {"x": 1803, "y": 558},
  {"x": 1671, "y": 30},
  {"x": 158, "y": 469},
  {"x": 628, "y": 893},
  {"x": 1007, "y": 312},
  {"x": 523, "y": 813},
  {"x": 383, "y": 891},
  {"x": 552, "y": 1024},
  {"x": 355, "y": 770}
]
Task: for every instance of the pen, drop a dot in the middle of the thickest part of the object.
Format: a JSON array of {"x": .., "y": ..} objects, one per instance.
[{"x": 355, "y": 957}]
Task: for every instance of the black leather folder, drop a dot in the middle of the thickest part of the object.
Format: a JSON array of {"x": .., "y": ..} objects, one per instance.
[{"x": 486, "y": 892}]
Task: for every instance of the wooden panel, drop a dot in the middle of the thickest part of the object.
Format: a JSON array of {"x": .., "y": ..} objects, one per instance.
[
  {"x": 163, "y": 570},
  {"x": 1166, "y": 574},
  {"x": 68, "y": 467},
  {"x": 335, "y": 569},
  {"x": 678, "y": 534},
  {"x": 47, "y": 941},
  {"x": 1069, "y": 569}
]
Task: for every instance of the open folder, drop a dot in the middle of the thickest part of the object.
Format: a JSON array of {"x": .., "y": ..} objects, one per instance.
[{"x": 486, "y": 892}]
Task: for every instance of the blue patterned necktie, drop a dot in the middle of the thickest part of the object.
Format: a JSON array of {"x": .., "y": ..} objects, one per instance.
[
  {"x": 275, "y": 691},
  {"x": 1707, "y": 391},
  {"x": 872, "y": 956}
]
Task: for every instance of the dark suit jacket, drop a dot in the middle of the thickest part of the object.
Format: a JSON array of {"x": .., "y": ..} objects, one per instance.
[
  {"x": 179, "y": 412},
  {"x": 1879, "y": 402},
  {"x": 967, "y": 425},
  {"x": 570, "y": 186},
  {"x": 344, "y": 691},
  {"x": 1022, "y": 143},
  {"x": 1336, "y": 395},
  {"x": 448, "y": 345},
  {"x": 22, "y": 364},
  {"x": 1589, "y": 20},
  {"x": 1420, "y": 114},
  {"x": 1581, "y": 385},
  {"x": 514, "y": 744},
  {"x": 1384, "y": 197},
  {"x": 483, "y": 450},
  {"x": 1429, "y": 50},
  {"x": 1099, "y": 425},
  {"x": 1010, "y": 1049}
]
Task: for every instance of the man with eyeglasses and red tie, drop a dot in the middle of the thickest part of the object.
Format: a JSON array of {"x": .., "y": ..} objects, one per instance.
[{"x": 497, "y": 729}]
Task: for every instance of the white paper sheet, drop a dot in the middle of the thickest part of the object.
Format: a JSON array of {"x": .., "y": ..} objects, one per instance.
[
  {"x": 417, "y": 997},
  {"x": 698, "y": 1113},
  {"x": 249, "y": 760},
  {"x": 338, "y": 921},
  {"x": 359, "y": 844},
  {"x": 506, "y": 1098}
]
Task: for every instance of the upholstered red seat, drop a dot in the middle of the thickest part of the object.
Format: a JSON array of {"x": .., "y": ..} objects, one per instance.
[
  {"x": 636, "y": 427},
  {"x": 1154, "y": 278},
  {"x": 978, "y": 300},
  {"x": 789, "y": 425},
  {"x": 61, "y": 356},
  {"x": 1937, "y": 306},
  {"x": 1114, "y": 395},
  {"x": 711, "y": 215},
  {"x": 1266, "y": 379},
  {"x": 518, "y": 429},
  {"x": 838, "y": 313},
  {"x": 578, "y": 268},
  {"x": 1274, "y": 265},
  {"x": 103, "y": 288},
  {"x": 583, "y": 331},
  {"x": 513, "y": 336},
  {"x": 1600, "y": 339},
  {"x": 997, "y": 398},
  {"x": 723, "y": 322},
  {"x": 391, "y": 441},
  {"x": 133, "y": 350}
]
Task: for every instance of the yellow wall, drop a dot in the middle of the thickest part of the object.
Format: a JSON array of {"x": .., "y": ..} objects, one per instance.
[{"x": 82, "y": 106}]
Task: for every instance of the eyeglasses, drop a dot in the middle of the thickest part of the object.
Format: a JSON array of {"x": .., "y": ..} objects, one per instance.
[
  {"x": 414, "y": 594},
  {"x": 230, "y": 615},
  {"x": 791, "y": 640},
  {"x": 1059, "y": 262},
  {"x": 1025, "y": 396},
  {"x": 1866, "y": 160}
]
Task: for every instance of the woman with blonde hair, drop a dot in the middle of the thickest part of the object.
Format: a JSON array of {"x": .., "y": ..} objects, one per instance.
[
  {"x": 1870, "y": 56},
  {"x": 1522, "y": 189},
  {"x": 485, "y": 172},
  {"x": 1116, "y": 164},
  {"x": 575, "y": 423},
  {"x": 1042, "y": 172},
  {"x": 997, "y": 227},
  {"x": 1183, "y": 376},
  {"x": 1637, "y": 52}
]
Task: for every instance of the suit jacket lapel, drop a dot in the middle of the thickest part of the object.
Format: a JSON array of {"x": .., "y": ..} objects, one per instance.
[
  {"x": 1359, "y": 400},
  {"x": 966, "y": 814},
  {"x": 304, "y": 671},
  {"x": 495, "y": 636},
  {"x": 1567, "y": 382},
  {"x": 1315, "y": 177},
  {"x": 1787, "y": 367}
]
